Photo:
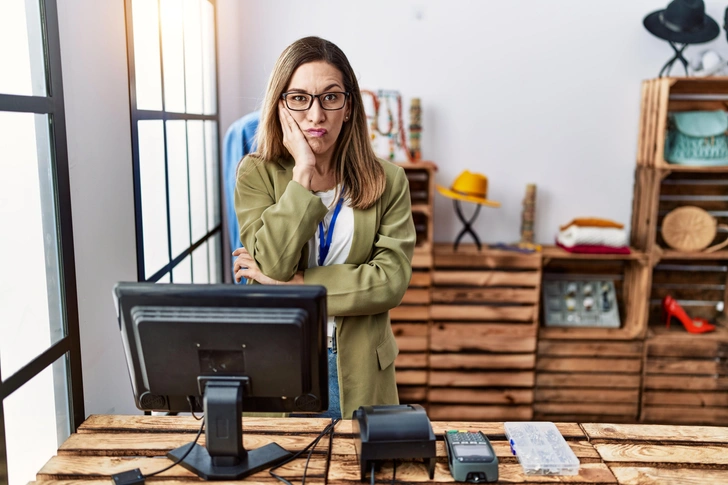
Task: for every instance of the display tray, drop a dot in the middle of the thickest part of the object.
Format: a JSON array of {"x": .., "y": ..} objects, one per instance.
[
  {"x": 580, "y": 301},
  {"x": 541, "y": 449}
]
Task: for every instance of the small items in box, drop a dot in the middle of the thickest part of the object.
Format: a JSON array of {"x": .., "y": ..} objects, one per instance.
[
  {"x": 541, "y": 449},
  {"x": 580, "y": 302}
]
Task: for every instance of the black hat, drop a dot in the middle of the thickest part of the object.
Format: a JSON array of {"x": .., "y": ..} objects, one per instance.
[{"x": 684, "y": 22}]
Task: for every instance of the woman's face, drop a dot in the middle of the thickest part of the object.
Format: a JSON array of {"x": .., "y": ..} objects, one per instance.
[{"x": 320, "y": 127}]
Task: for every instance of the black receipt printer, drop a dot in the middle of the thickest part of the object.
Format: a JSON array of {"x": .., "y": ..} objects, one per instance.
[{"x": 397, "y": 432}]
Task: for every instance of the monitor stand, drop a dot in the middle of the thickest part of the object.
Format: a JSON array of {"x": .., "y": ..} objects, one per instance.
[{"x": 224, "y": 457}]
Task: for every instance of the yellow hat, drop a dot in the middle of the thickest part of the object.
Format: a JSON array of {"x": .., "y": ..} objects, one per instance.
[{"x": 470, "y": 187}]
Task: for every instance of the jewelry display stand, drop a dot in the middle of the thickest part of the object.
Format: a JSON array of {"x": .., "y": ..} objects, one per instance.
[{"x": 587, "y": 302}]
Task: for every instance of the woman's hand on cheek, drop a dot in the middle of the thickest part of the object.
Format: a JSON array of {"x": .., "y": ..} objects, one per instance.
[{"x": 297, "y": 145}]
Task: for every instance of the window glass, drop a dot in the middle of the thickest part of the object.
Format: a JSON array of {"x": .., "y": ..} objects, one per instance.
[
  {"x": 182, "y": 273},
  {"x": 200, "y": 262},
  {"x": 37, "y": 421},
  {"x": 196, "y": 155},
  {"x": 146, "y": 54},
  {"x": 173, "y": 55},
  {"x": 193, "y": 56},
  {"x": 31, "y": 317},
  {"x": 208, "y": 58},
  {"x": 154, "y": 197},
  {"x": 21, "y": 54},
  {"x": 179, "y": 204},
  {"x": 173, "y": 70}
]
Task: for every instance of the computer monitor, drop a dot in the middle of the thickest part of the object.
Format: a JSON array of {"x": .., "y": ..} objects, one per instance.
[{"x": 224, "y": 349}]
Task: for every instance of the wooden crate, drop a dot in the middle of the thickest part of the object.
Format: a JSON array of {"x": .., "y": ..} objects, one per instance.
[
  {"x": 589, "y": 380},
  {"x": 411, "y": 327},
  {"x": 686, "y": 378},
  {"x": 665, "y": 95},
  {"x": 631, "y": 275},
  {"x": 683, "y": 375},
  {"x": 483, "y": 338},
  {"x": 421, "y": 178}
]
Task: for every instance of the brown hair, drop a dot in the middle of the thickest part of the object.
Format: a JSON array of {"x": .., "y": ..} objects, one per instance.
[{"x": 356, "y": 164}]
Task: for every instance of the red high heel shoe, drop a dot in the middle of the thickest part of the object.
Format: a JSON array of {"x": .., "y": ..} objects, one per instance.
[{"x": 671, "y": 308}]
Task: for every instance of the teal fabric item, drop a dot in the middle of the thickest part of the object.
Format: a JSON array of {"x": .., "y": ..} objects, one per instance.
[{"x": 697, "y": 138}]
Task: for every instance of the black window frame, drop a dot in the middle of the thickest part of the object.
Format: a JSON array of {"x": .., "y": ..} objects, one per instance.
[
  {"x": 52, "y": 105},
  {"x": 164, "y": 116}
]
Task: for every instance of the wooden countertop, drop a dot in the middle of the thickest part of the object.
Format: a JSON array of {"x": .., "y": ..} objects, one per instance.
[{"x": 609, "y": 453}]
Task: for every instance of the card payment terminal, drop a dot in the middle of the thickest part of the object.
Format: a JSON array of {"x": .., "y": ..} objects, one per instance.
[{"x": 470, "y": 456}]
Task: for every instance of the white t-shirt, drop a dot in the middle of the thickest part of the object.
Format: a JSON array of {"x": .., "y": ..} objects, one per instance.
[{"x": 340, "y": 239}]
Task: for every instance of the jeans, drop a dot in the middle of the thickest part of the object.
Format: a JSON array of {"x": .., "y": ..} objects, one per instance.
[{"x": 334, "y": 410}]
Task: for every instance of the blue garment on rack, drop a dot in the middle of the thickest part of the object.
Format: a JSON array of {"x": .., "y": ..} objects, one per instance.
[{"x": 239, "y": 141}]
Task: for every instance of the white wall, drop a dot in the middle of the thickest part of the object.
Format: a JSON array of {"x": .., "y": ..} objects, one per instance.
[
  {"x": 95, "y": 81},
  {"x": 521, "y": 90}
]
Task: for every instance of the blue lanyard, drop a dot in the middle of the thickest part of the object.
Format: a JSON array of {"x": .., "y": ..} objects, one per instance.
[{"x": 325, "y": 242}]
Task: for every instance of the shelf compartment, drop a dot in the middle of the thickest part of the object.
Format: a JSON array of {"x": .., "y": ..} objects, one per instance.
[
  {"x": 697, "y": 285},
  {"x": 632, "y": 282},
  {"x": 664, "y": 95},
  {"x": 706, "y": 191}
]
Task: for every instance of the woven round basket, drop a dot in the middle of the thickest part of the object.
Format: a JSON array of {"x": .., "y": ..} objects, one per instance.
[{"x": 691, "y": 228}]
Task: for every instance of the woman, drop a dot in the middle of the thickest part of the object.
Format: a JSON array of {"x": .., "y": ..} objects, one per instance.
[{"x": 316, "y": 206}]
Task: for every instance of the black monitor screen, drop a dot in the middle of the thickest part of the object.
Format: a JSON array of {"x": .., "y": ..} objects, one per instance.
[
  {"x": 178, "y": 337},
  {"x": 223, "y": 350}
]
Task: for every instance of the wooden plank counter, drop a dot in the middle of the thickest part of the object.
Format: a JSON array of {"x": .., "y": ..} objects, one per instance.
[{"x": 609, "y": 453}]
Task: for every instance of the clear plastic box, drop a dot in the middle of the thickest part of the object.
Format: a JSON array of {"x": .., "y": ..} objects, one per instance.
[{"x": 541, "y": 449}]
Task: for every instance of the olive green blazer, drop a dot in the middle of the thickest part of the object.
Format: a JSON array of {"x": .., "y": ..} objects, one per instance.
[{"x": 277, "y": 219}]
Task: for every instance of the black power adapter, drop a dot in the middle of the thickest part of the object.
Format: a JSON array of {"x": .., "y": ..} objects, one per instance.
[{"x": 131, "y": 477}]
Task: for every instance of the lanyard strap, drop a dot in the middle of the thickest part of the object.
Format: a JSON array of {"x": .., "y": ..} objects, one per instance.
[{"x": 325, "y": 241}]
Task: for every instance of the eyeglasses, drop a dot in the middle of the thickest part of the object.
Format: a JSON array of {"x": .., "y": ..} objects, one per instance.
[{"x": 330, "y": 101}]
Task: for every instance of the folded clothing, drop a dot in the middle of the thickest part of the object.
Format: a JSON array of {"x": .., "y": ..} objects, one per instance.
[
  {"x": 592, "y": 222},
  {"x": 593, "y": 236},
  {"x": 594, "y": 249}
]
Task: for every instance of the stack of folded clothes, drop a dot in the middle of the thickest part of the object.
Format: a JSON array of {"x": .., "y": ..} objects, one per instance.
[{"x": 594, "y": 236}]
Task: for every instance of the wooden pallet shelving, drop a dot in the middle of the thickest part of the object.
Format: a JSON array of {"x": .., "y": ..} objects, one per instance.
[
  {"x": 685, "y": 378},
  {"x": 484, "y": 329}
]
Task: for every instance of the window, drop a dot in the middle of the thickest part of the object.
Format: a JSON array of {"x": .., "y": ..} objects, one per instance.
[
  {"x": 40, "y": 363},
  {"x": 172, "y": 77}
]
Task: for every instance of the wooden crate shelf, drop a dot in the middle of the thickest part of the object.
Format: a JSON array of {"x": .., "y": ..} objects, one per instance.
[
  {"x": 484, "y": 314},
  {"x": 471, "y": 342},
  {"x": 684, "y": 375},
  {"x": 685, "y": 378},
  {"x": 592, "y": 380}
]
